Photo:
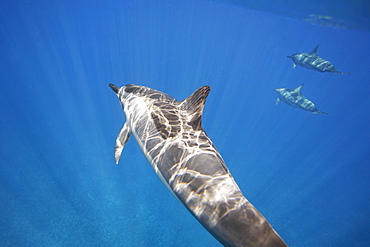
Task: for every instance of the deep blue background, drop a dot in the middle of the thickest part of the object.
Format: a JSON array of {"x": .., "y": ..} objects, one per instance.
[{"x": 308, "y": 174}]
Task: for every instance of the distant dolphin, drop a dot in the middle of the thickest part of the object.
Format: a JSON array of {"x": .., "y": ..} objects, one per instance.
[
  {"x": 170, "y": 134},
  {"x": 313, "y": 61},
  {"x": 295, "y": 98}
]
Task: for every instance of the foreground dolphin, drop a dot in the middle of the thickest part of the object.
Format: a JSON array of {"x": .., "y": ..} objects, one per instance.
[
  {"x": 313, "y": 61},
  {"x": 295, "y": 98},
  {"x": 170, "y": 134}
]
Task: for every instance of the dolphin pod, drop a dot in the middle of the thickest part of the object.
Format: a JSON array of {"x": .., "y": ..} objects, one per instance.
[
  {"x": 312, "y": 61},
  {"x": 171, "y": 136}
]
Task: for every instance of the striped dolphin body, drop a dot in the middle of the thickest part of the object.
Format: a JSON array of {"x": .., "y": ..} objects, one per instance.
[
  {"x": 170, "y": 134},
  {"x": 295, "y": 98},
  {"x": 313, "y": 61}
]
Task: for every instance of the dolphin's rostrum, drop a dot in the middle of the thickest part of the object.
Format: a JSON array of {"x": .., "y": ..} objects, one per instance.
[
  {"x": 170, "y": 134},
  {"x": 295, "y": 98},
  {"x": 313, "y": 61}
]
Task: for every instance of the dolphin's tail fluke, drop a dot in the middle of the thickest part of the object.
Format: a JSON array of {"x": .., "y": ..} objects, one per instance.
[
  {"x": 114, "y": 87},
  {"x": 343, "y": 73},
  {"x": 320, "y": 112}
]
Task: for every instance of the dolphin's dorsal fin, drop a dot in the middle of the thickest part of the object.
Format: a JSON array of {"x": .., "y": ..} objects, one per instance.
[
  {"x": 314, "y": 50},
  {"x": 193, "y": 106},
  {"x": 121, "y": 140},
  {"x": 298, "y": 89}
]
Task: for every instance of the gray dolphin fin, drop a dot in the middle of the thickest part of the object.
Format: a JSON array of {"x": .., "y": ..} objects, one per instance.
[
  {"x": 294, "y": 65},
  {"x": 121, "y": 140},
  {"x": 277, "y": 101},
  {"x": 298, "y": 89},
  {"x": 314, "y": 50},
  {"x": 193, "y": 105}
]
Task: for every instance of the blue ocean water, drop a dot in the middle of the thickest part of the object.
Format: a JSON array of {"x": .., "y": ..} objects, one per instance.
[{"x": 307, "y": 174}]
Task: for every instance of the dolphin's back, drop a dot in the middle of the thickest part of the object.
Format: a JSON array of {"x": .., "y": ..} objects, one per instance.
[
  {"x": 170, "y": 135},
  {"x": 315, "y": 62}
]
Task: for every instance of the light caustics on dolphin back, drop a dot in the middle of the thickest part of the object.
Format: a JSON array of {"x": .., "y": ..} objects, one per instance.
[
  {"x": 170, "y": 134},
  {"x": 313, "y": 61}
]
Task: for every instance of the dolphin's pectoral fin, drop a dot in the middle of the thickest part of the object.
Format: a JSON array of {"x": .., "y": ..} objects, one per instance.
[
  {"x": 294, "y": 65},
  {"x": 277, "y": 101},
  {"x": 193, "y": 105},
  {"x": 121, "y": 140}
]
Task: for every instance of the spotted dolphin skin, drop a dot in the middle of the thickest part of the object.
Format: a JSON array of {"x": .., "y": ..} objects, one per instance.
[
  {"x": 313, "y": 61},
  {"x": 170, "y": 134},
  {"x": 295, "y": 98}
]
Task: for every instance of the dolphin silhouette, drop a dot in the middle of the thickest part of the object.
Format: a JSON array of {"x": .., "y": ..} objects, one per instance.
[
  {"x": 170, "y": 134},
  {"x": 295, "y": 98},
  {"x": 313, "y": 61}
]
